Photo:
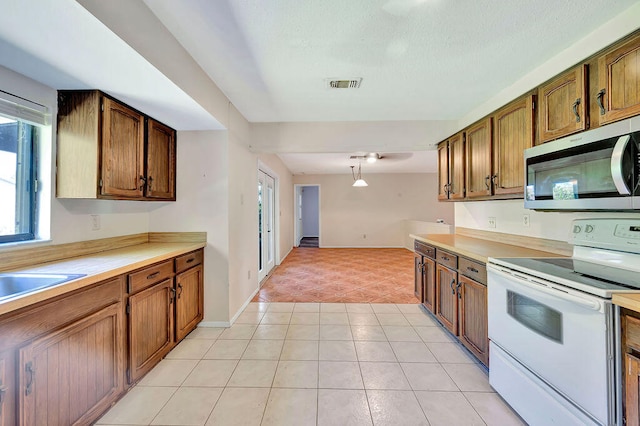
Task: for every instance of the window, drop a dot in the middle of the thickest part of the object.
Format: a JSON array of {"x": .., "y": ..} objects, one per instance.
[{"x": 18, "y": 180}]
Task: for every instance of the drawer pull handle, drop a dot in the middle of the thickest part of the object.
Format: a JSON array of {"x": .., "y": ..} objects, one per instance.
[
  {"x": 458, "y": 290},
  {"x": 172, "y": 295},
  {"x": 453, "y": 290},
  {"x": 179, "y": 290},
  {"x": 152, "y": 276},
  {"x": 446, "y": 259},
  {"x": 191, "y": 259},
  {"x": 469, "y": 268},
  {"x": 575, "y": 109},
  {"x": 3, "y": 392},
  {"x": 29, "y": 370}
]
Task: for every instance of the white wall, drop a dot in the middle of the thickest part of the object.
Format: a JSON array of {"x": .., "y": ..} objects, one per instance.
[
  {"x": 202, "y": 205},
  {"x": 378, "y": 211},
  {"x": 509, "y": 218},
  {"x": 310, "y": 211}
]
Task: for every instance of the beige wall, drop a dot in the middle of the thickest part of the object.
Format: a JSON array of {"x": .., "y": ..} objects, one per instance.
[{"x": 378, "y": 211}]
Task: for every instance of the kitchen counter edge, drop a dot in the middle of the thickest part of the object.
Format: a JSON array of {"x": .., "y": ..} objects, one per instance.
[
  {"x": 98, "y": 267},
  {"x": 477, "y": 248}
]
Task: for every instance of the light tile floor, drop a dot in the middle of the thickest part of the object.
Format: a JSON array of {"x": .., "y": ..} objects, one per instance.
[{"x": 317, "y": 364}]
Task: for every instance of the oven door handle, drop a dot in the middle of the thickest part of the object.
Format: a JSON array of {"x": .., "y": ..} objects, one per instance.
[
  {"x": 547, "y": 289},
  {"x": 617, "y": 157}
]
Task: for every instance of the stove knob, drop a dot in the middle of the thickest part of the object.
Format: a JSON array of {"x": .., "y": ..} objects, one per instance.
[
  {"x": 576, "y": 229},
  {"x": 588, "y": 229}
]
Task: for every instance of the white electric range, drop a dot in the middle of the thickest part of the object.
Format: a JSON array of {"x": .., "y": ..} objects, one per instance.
[{"x": 554, "y": 333}]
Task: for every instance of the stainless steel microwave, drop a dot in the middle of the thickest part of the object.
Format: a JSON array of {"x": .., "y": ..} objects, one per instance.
[{"x": 594, "y": 170}]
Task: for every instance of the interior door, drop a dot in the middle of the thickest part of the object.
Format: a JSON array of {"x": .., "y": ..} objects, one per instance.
[
  {"x": 298, "y": 208},
  {"x": 266, "y": 222}
]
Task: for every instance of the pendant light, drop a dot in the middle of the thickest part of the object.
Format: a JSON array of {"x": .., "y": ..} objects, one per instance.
[{"x": 359, "y": 182}]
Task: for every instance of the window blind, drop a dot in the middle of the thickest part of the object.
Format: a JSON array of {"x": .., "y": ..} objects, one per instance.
[{"x": 16, "y": 107}]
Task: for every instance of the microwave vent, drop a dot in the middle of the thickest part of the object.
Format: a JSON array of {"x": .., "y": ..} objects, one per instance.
[{"x": 344, "y": 84}]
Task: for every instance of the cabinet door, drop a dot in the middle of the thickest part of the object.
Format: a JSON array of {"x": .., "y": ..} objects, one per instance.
[
  {"x": 417, "y": 276},
  {"x": 189, "y": 301},
  {"x": 446, "y": 298},
  {"x": 619, "y": 77},
  {"x": 513, "y": 133},
  {"x": 7, "y": 389},
  {"x": 632, "y": 396},
  {"x": 478, "y": 156},
  {"x": 473, "y": 318},
  {"x": 161, "y": 161},
  {"x": 563, "y": 108},
  {"x": 150, "y": 327},
  {"x": 429, "y": 286},
  {"x": 72, "y": 375},
  {"x": 456, "y": 167},
  {"x": 443, "y": 171},
  {"x": 122, "y": 171}
]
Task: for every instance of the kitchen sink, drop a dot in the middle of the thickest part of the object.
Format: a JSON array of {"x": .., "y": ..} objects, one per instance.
[{"x": 13, "y": 284}]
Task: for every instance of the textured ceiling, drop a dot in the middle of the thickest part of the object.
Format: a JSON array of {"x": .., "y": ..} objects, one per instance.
[{"x": 419, "y": 59}]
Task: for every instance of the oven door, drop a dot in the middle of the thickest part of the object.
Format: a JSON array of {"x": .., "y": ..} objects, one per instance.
[{"x": 562, "y": 335}]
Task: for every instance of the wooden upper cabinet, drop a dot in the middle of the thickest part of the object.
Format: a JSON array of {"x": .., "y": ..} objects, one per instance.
[
  {"x": 106, "y": 149},
  {"x": 456, "y": 167},
  {"x": 122, "y": 154},
  {"x": 563, "y": 108},
  {"x": 161, "y": 161},
  {"x": 478, "y": 156},
  {"x": 513, "y": 133},
  {"x": 443, "y": 171},
  {"x": 619, "y": 82}
]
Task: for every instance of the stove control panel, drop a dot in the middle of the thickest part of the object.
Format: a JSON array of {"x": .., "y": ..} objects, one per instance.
[{"x": 612, "y": 234}]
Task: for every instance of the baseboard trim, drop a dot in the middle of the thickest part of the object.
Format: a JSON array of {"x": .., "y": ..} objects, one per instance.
[
  {"x": 285, "y": 256},
  {"x": 212, "y": 324},
  {"x": 244, "y": 305}
]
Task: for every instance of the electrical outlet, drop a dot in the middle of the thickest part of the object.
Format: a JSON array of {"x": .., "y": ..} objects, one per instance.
[
  {"x": 364, "y": 236},
  {"x": 249, "y": 274},
  {"x": 95, "y": 222},
  {"x": 492, "y": 222},
  {"x": 526, "y": 220}
]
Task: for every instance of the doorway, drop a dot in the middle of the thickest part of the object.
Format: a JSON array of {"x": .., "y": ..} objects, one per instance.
[
  {"x": 307, "y": 221},
  {"x": 266, "y": 224}
]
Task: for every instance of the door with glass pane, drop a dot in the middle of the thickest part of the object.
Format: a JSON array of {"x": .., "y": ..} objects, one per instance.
[{"x": 266, "y": 222}]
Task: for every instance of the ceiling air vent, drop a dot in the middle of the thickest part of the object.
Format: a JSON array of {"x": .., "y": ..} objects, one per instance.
[{"x": 344, "y": 84}]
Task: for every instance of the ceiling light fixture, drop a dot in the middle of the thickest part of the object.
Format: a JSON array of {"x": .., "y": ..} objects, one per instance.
[
  {"x": 372, "y": 157},
  {"x": 359, "y": 182}
]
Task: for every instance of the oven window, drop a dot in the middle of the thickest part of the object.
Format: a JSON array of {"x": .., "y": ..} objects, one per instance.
[{"x": 535, "y": 316}]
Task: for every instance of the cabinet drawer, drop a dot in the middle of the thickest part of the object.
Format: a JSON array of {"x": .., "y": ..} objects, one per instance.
[
  {"x": 446, "y": 258},
  {"x": 188, "y": 260},
  {"x": 151, "y": 275},
  {"x": 475, "y": 270},
  {"x": 424, "y": 249},
  {"x": 632, "y": 332}
]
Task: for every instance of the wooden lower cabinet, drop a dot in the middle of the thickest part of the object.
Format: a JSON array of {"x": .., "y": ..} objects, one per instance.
[
  {"x": 150, "y": 327},
  {"x": 446, "y": 298},
  {"x": 418, "y": 277},
  {"x": 189, "y": 301},
  {"x": 472, "y": 321},
  {"x": 429, "y": 283},
  {"x": 7, "y": 388},
  {"x": 632, "y": 396},
  {"x": 73, "y": 374}
]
